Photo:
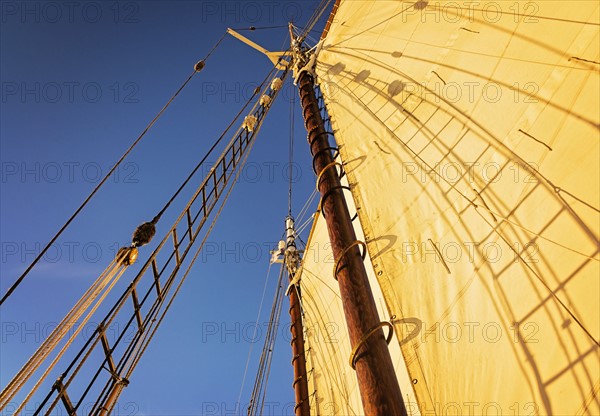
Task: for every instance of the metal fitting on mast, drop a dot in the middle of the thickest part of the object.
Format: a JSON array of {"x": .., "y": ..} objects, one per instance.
[
  {"x": 303, "y": 59},
  {"x": 291, "y": 257},
  {"x": 291, "y": 254}
]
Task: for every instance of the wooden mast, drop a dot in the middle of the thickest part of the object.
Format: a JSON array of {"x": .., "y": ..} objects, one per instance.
[
  {"x": 379, "y": 388},
  {"x": 300, "y": 384}
]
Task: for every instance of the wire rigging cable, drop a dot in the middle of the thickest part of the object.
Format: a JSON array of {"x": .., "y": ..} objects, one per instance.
[
  {"x": 155, "y": 298},
  {"x": 197, "y": 68},
  {"x": 252, "y": 28},
  {"x": 323, "y": 5},
  {"x": 133, "y": 360},
  {"x": 193, "y": 172},
  {"x": 291, "y": 161},
  {"x": 96, "y": 293},
  {"x": 262, "y": 300},
  {"x": 257, "y": 399},
  {"x": 145, "y": 232}
]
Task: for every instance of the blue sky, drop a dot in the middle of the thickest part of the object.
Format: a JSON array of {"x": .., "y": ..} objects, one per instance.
[{"x": 80, "y": 80}]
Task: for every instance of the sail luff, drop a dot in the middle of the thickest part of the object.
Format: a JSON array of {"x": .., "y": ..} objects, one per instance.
[
  {"x": 379, "y": 388},
  {"x": 478, "y": 192}
]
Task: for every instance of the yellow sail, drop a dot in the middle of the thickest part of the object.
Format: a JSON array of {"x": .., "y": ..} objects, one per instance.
[
  {"x": 469, "y": 132},
  {"x": 333, "y": 387}
]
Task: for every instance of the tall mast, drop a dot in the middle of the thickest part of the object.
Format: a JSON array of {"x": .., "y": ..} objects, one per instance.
[
  {"x": 379, "y": 388},
  {"x": 300, "y": 384}
]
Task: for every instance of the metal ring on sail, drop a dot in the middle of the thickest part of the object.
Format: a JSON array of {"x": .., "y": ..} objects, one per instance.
[
  {"x": 355, "y": 243},
  {"x": 366, "y": 336}
]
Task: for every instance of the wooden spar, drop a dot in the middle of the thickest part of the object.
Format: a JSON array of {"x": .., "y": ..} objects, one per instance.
[
  {"x": 116, "y": 389},
  {"x": 300, "y": 383},
  {"x": 379, "y": 388}
]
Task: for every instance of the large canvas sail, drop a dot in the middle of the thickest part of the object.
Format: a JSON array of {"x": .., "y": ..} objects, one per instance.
[
  {"x": 470, "y": 138},
  {"x": 333, "y": 387}
]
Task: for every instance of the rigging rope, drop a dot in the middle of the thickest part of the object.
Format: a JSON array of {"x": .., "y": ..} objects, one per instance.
[
  {"x": 193, "y": 172},
  {"x": 307, "y": 205},
  {"x": 136, "y": 348},
  {"x": 144, "y": 233},
  {"x": 134, "y": 361},
  {"x": 104, "y": 283},
  {"x": 133, "y": 355},
  {"x": 146, "y": 342},
  {"x": 107, "y": 280},
  {"x": 262, "y": 300},
  {"x": 81, "y": 325},
  {"x": 493, "y": 227},
  {"x": 314, "y": 18},
  {"x": 260, "y": 28},
  {"x": 260, "y": 385},
  {"x": 197, "y": 69},
  {"x": 291, "y": 161}
]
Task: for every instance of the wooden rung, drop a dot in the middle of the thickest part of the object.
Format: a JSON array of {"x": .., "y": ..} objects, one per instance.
[
  {"x": 176, "y": 245},
  {"x": 136, "y": 307},
  {"x": 215, "y": 184},
  {"x": 157, "y": 285},
  {"x": 189, "y": 220},
  {"x": 64, "y": 397},
  {"x": 111, "y": 362}
]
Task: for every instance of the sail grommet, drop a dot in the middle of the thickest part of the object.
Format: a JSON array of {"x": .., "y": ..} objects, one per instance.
[
  {"x": 367, "y": 336},
  {"x": 355, "y": 243}
]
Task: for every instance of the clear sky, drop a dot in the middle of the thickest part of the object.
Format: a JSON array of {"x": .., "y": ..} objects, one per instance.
[{"x": 80, "y": 81}]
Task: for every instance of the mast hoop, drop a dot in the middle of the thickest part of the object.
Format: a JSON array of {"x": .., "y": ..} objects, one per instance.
[
  {"x": 320, "y": 175},
  {"x": 336, "y": 152},
  {"x": 337, "y": 262},
  {"x": 327, "y": 194},
  {"x": 310, "y": 142},
  {"x": 369, "y": 334},
  {"x": 298, "y": 405}
]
